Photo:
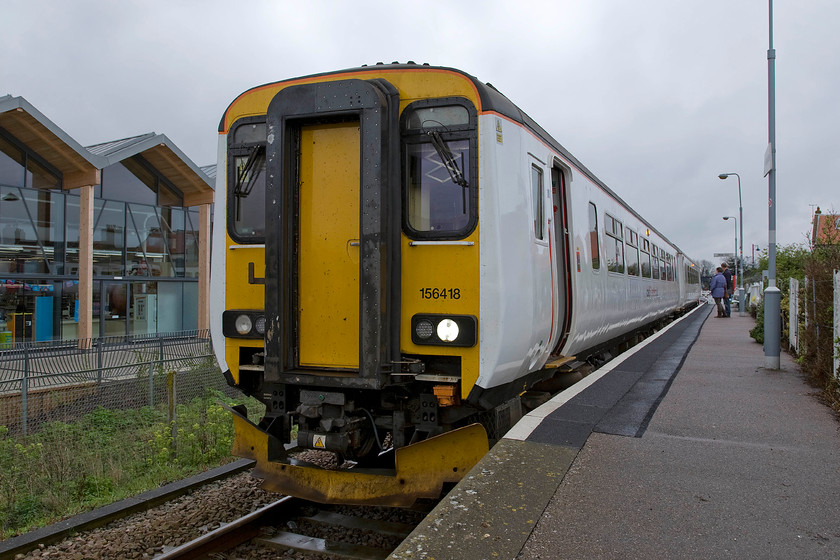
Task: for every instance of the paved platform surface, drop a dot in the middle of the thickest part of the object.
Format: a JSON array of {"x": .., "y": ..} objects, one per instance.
[{"x": 685, "y": 447}]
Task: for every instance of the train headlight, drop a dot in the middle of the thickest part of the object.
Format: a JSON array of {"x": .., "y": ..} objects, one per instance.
[
  {"x": 243, "y": 324},
  {"x": 447, "y": 330},
  {"x": 424, "y": 329},
  {"x": 437, "y": 329}
]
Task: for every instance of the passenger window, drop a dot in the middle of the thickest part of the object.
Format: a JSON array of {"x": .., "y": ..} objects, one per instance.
[
  {"x": 538, "y": 195},
  {"x": 615, "y": 246},
  {"x": 594, "y": 248},
  {"x": 632, "y": 252},
  {"x": 655, "y": 255},
  {"x": 646, "y": 268}
]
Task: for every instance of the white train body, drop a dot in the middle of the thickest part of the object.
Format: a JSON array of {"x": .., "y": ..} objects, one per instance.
[{"x": 523, "y": 304}]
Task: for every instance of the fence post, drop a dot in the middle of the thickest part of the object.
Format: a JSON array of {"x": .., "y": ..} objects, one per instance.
[
  {"x": 836, "y": 341},
  {"x": 170, "y": 384},
  {"x": 99, "y": 362},
  {"x": 793, "y": 314},
  {"x": 24, "y": 390}
]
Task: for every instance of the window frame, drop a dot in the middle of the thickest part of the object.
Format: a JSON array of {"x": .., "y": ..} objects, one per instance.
[
  {"x": 27, "y": 155},
  {"x": 614, "y": 231},
  {"x": 409, "y": 137},
  {"x": 538, "y": 202},
  {"x": 594, "y": 238}
]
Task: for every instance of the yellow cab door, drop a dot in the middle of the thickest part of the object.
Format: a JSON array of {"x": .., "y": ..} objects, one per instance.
[{"x": 328, "y": 263}]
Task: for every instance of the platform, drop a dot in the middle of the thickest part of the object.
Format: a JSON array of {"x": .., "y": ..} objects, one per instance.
[{"x": 683, "y": 447}]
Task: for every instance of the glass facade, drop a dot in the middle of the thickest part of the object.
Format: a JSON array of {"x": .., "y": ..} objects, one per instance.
[{"x": 145, "y": 256}]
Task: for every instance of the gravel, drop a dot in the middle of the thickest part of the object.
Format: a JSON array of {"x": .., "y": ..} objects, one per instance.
[{"x": 143, "y": 535}]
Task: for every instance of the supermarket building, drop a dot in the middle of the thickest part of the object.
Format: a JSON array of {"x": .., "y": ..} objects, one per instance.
[{"x": 104, "y": 240}]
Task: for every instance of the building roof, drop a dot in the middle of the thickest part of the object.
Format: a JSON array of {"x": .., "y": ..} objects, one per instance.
[
  {"x": 209, "y": 170},
  {"x": 826, "y": 228},
  {"x": 166, "y": 158},
  {"x": 78, "y": 166}
]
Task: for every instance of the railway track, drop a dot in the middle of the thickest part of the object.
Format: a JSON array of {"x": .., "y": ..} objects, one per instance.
[{"x": 290, "y": 524}]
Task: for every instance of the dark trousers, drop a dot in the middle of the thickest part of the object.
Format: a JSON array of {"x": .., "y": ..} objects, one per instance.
[
  {"x": 726, "y": 304},
  {"x": 721, "y": 312}
]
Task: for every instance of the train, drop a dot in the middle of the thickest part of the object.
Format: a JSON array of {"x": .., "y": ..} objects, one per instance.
[{"x": 400, "y": 255}]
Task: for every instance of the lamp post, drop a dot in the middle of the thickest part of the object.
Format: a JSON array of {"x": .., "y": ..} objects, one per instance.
[
  {"x": 735, "y": 253},
  {"x": 741, "y": 310},
  {"x": 772, "y": 295}
]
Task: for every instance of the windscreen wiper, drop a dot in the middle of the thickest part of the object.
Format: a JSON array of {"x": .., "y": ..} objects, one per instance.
[
  {"x": 448, "y": 159},
  {"x": 246, "y": 178}
]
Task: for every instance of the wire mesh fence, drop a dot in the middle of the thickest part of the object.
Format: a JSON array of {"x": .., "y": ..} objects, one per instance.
[{"x": 63, "y": 380}]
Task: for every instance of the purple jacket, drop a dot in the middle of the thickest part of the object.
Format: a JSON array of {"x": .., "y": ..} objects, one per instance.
[{"x": 718, "y": 285}]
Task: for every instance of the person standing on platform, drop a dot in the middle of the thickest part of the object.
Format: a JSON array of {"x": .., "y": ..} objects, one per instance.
[
  {"x": 718, "y": 289},
  {"x": 727, "y": 274}
]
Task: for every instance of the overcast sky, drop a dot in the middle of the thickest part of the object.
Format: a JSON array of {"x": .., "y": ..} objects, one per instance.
[{"x": 656, "y": 97}]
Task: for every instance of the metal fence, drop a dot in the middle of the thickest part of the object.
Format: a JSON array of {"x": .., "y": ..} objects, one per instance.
[{"x": 62, "y": 380}]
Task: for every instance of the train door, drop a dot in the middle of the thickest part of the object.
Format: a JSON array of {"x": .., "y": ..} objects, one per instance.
[
  {"x": 562, "y": 264},
  {"x": 332, "y": 231},
  {"x": 328, "y": 261}
]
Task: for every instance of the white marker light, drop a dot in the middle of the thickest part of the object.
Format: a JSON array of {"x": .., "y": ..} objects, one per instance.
[
  {"x": 243, "y": 324},
  {"x": 447, "y": 330}
]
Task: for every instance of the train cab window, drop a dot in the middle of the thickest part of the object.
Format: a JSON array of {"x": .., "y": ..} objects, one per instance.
[
  {"x": 594, "y": 248},
  {"x": 440, "y": 168},
  {"x": 645, "y": 258},
  {"x": 615, "y": 245},
  {"x": 632, "y": 252},
  {"x": 538, "y": 201},
  {"x": 246, "y": 181}
]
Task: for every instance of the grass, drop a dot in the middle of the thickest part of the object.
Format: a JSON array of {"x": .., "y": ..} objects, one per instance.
[{"x": 105, "y": 456}]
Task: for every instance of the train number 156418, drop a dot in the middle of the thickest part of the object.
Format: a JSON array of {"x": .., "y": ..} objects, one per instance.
[{"x": 440, "y": 293}]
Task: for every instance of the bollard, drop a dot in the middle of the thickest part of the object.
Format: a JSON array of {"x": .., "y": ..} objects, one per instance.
[
  {"x": 742, "y": 306},
  {"x": 772, "y": 327}
]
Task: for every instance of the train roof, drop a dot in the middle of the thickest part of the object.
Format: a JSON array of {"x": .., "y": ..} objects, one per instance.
[{"x": 491, "y": 100}]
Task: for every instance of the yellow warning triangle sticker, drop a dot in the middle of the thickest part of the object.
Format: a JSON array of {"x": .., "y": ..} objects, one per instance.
[{"x": 318, "y": 442}]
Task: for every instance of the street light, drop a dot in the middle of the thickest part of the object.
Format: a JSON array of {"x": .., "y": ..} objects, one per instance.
[
  {"x": 741, "y": 310},
  {"x": 735, "y": 254},
  {"x": 772, "y": 294}
]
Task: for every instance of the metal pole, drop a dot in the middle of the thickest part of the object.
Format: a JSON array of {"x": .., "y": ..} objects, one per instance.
[
  {"x": 741, "y": 307},
  {"x": 772, "y": 295}
]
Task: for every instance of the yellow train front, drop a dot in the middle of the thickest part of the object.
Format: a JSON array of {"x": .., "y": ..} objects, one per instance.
[{"x": 346, "y": 275}]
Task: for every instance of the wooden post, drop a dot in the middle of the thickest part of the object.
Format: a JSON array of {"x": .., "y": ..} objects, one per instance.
[
  {"x": 85, "y": 266},
  {"x": 204, "y": 267}
]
